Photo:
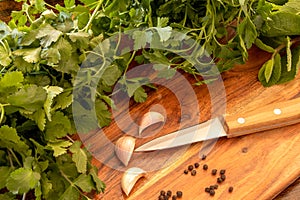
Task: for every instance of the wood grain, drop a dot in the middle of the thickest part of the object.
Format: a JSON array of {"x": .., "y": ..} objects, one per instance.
[{"x": 258, "y": 166}]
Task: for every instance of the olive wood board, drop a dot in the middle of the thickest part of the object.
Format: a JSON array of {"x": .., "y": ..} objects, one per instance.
[{"x": 258, "y": 166}]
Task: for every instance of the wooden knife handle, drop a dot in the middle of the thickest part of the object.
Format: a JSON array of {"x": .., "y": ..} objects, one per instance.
[{"x": 268, "y": 117}]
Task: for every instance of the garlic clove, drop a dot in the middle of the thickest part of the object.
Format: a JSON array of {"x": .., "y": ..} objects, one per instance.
[
  {"x": 149, "y": 119},
  {"x": 130, "y": 177},
  {"x": 124, "y": 148}
]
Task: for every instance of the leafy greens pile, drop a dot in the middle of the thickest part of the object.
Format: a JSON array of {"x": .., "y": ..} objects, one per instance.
[{"x": 43, "y": 46}]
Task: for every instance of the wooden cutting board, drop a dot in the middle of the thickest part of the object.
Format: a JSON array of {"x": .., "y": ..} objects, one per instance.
[{"x": 258, "y": 166}]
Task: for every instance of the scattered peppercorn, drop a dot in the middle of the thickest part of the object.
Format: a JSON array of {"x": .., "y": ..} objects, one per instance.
[
  {"x": 174, "y": 197},
  {"x": 194, "y": 172},
  {"x": 230, "y": 189},
  {"x": 190, "y": 167},
  {"x": 211, "y": 187},
  {"x": 196, "y": 165},
  {"x": 161, "y": 197},
  {"x": 162, "y": 193},
  {"x": 207, "y": 189},
  {"x": 169, "y": 193},
  {"x": 203, "y": 157},
  {"x": 205, "y": 166},
  {"x": 185, "y": 171},
  {"x": 212, "y": 192},
  {"x": 245, "y": 150},
  {"x": 216, "y": 186},
  {"x": 222, "y": 171},
  {"x": 223, "y": 177},
  {"x": 219, "y": 180},
  {"x": 214, "y": 172},
  {"x": 179, "y": 194}
]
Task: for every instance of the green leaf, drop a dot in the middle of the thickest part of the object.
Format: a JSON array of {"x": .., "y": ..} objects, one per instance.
[
  {"x": 11, "y": 80},
  {"x": 40, "y": 118},
  {"x": 275, "y": 73},
  {"x": 10, "y": 139},
  {"x": 4, "y": 174},
  {"x": 103, "y": 114},
  {"x": 63, "y": 100},
  {"x": 23, "y": 65},
  {"x": 7, "y": 196},
  {"x": 111, "y": 75},
  {"x": 69, "y": 3},
  {"x": 140, "y": 95},
  {"x": 22, "y": 180},
  {"x": 164, "y": 33},
  {"x": 59, "y": 147},
  {"x": 247, "y": 30},
  {"x": 268, "y": 69},
  {"x": 79, "y": 157},
  {"x": 263, "y": 46},
  {"x": 100, "y": 186},
  {"x": 140, "y": 39},
  {"x": 47, "y": 35},
  {"x": 5, "y": 59},
  {"x": 30, "y": 55},
  {"x": 52, "y": 91},
  {"x": 70, "y": 193},
  {"x": 81, "y": 38},
  {"x": 29, "y": 38},
  {"x": 164, "y": 71},
  {"x": 85, "y": 183},
  {"x": 58, "y": 127},
  {"x": 30, "y": 98}
]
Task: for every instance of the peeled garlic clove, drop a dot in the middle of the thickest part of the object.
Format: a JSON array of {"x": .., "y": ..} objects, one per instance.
[
  {"x": 150, "y": 118},
  {"x": 130, "y": 177},
  {"x": 124, "y": 148}
]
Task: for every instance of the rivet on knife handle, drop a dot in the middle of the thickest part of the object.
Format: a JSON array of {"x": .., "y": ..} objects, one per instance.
[{"x": 265, "y": 118}]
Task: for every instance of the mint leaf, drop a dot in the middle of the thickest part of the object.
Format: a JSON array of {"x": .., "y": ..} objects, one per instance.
[
  {"x": 30, "y": 98},
  {"x": 31, "y": 55},
  {"x": 58, "y": 127},
  {"x": 273, "y": 67},
  {"x": 22, "y": 180},
  {"x": 52, "y": 91},
  {"x": 268, "y": 69},
  {"x": 59, "y": 147},
  {"x": 47, "y": 35},
  {"x": 79, "y": 157}
]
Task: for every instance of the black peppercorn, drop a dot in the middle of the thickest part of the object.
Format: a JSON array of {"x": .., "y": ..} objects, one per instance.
[
  {"x": 222, "y": 171},
  {"x": 230, "y": 189},
  {"x": 169, "y": 193},
  {"x": 203, "y": 157},
  {"x": 196, "y": 165},
  {"x": 205, "y": 166},
  {"x": 223, "y": 177},
  {"x": 190, "y": 167},
  {"x": 163, "y": 193},
  {"x": 193, "y": 173},
  {"x": 216, "y": 186},
  {"x": 207, "y": 189},
  {"x": 174, "y": 197},
  {"x": 179, "y": 194},
  {"x": 219, "y": 180},
  {"x": 161, "y": 197},
  {"x": 214, "y": 172},
  {"x": 212, "y": 192},
  {"x": 185, "y": 171}
]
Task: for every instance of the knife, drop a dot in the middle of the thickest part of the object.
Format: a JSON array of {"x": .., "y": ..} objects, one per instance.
[{"x": 265, "y": 118}]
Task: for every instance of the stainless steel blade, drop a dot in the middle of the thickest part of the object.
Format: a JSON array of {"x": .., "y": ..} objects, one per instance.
[{"x": 205, "y": 131}]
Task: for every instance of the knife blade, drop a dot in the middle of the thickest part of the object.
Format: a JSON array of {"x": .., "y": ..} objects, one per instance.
[{"x": 265, "y": 118}]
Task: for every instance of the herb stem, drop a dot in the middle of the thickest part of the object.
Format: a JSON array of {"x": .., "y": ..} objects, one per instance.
[
  {"x": 15, "y": 157},
  {"x": 24, "y": 196},
  {"x": 86, "y": 28},
  {"x": 50, "y": 6},
  {"x": 128, "y": 63},
  {"x": 69, "y": 138},
  {"x": 10, "y": 160}
]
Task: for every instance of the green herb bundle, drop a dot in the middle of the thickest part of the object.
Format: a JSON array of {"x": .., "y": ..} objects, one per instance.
[{"x": 43, "y": 47}]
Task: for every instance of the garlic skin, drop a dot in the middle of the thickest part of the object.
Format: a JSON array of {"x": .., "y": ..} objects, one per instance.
[
  {"x": 130, "y": 177},
  {"x": 149, "y": 119},
  {"x": 124, "y": 148}
]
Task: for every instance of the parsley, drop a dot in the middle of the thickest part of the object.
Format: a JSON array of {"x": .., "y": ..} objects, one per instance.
[{"x": 43, "y": 47}]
